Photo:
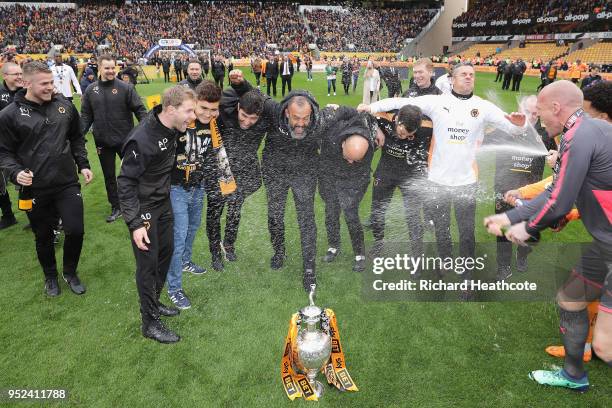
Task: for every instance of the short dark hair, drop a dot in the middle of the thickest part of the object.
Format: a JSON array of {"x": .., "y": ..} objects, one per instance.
[
  {"x": 208, "y": 91},
  {"x": 193, "y": 61},
  {"x": 410, "y": 117},
  {"x": 600, "y": 96},
  {"x": 252, "y": 102},
  {"x": 105, "y": 57}
]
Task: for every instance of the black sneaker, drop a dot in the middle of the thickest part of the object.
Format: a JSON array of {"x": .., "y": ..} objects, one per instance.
[
  {"x": 359, "y": 264},
  {"x": 277, "y": 260},
  {"x": 75, "y": 284},
  {"x": 158, "y": 332},
  {"x": 52, "y": 287},
  {"x": 7, "y": 221},
  {"x": 168, "y": 311},
  {"x": 504, "y": 273},
  {"x": 309, "y": 279},
  {"x": 331, "y": 254},
  {"x": 521, "y": 264},
  {"x": 115, "y": 213},
  {"x": 230, "y": 253},
  {"x": 217, "y": 263}
]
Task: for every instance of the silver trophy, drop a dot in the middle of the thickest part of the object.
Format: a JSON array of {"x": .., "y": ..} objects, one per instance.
[{"x": 313, "y": 342}]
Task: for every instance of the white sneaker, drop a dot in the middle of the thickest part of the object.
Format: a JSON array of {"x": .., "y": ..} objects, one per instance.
[{"x": 327, "y": 94}]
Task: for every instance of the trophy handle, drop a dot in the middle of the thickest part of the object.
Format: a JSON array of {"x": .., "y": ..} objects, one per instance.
[{"x": 311, "y": 295}]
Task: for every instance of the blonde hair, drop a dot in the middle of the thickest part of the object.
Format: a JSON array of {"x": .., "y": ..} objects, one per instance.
[{"x": 176, "y": 95}]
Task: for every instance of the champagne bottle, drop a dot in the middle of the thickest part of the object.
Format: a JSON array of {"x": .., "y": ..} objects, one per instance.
[{"x": 25, "y": 196}]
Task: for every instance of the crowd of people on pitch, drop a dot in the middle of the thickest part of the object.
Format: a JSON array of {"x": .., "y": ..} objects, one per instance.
[
  {"x": 368, "y": 30},
  {"x": 203, "y": 142}
]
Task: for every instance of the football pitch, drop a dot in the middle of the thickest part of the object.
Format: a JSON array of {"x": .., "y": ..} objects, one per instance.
[{"x": 399, "y": 353}]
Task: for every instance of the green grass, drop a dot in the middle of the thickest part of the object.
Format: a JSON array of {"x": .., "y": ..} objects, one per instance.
[{"x": 399, "y": 353}]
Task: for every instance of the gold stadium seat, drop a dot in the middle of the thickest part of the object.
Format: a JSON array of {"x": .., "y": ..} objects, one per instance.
[{"x": 600, "y": 53}]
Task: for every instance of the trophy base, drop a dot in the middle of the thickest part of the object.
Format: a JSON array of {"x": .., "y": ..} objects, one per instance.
[{"x": 318, "y": 388}]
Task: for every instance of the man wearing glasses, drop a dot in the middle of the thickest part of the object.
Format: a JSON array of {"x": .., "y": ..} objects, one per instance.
[{"x": 13, "y": 82}]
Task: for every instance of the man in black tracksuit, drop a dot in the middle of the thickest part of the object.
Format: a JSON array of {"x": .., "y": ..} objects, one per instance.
[
  {"x": 500, "y": 71},
  {"x": 517, "y": 74},
  {"x": 178, "y": 68},
  {"x": 347, "y": 148},
  {"x": 391, "y": 77},
  {"x": 166, "y": 68},
  {"x": 290, "y": 161},
  {"x": 193, "y": 76},
  {"x": 41, "y": 146},
  {"x": 403, "y": 165},
  {"x": 13, "y": 74},
  {"x": 218, "y": 71},
  {"x": 109, "y": 104},
  {"x": 144, "y": 195},
  {"x": 243, "y": 127},
  {"x": 508, "y": 70},
  {"x": 272, "y": 70}
]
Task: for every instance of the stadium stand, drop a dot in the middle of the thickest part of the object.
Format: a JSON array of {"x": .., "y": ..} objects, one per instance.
[
  {"x": 482, "y": 50},
  {"x": 369, "y": 30},
  {"x": 131, "y": 29},
  {"x": 542, "y": 50},
  {"x": 600, "y": 53}
]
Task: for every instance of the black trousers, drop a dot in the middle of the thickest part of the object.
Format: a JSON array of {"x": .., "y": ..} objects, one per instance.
[
  {"x": 499, "y": 76},
  {"x": 271, "y": 84},
  {"x": 412, "y": 194},
  {"x": 214, "y": 209},
  {"x": 258, "y": 78},
  {"x": 247, "y": 185},
  {"x": 504, "y": 247},
  {"x": 507, "y": 79},
  {"x": 68, "y": 204},
  {"x": 219, "y": 81},
  {"x": 346, "y": 86},
  {"x": 179, "y": 75},
  {"x": 340, "y": 196},
  {"x": 107, "y": 162},
  {"x": 463, "y": 199},
  {"x": 303, "y": 187},
  {"x": 285, "y": 80},
  {"x": 516, "y": 82},
  {"x": 5, "y": 199},
  {"x": 5, "y": 205},
  {"x": 152, "y": 265},
  {"x": 166, "y": 76},
  {"x": 394, "y": 89}
]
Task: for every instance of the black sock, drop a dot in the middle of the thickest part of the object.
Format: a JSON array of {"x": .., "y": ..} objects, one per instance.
[{"x": 574, "y": 327}]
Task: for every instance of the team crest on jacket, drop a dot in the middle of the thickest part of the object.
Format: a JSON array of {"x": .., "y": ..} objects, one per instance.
[
  {"x": 474, "y": 113},
  {"x": 61, "y": 110},
  {"x": 114, "y": 91}
]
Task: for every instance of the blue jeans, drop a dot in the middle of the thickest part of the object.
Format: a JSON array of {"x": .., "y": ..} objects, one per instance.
[{"x": 187, "y": 209}]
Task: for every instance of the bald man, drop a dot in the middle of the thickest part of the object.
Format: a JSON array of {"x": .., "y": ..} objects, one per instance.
[
  {"x": 582, "y": 176},
  {"x": 13, "y": 82},
  {"x": 347, "y": 149}
]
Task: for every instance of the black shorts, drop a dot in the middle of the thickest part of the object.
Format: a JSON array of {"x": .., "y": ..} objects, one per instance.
[{"x": 592, "y": 278}]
